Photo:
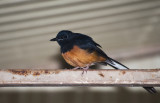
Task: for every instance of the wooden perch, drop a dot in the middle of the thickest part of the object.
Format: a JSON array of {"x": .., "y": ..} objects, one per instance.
[{"x": 60, "y": 77}]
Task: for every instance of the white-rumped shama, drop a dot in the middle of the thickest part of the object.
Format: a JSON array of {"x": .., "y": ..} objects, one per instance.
[{"x": 81, "y": 51}]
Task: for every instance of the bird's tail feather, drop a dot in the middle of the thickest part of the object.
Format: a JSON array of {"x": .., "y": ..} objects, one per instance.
[
  {"x": 151, "y": 90},
  {"x": 115, "y": 64}
]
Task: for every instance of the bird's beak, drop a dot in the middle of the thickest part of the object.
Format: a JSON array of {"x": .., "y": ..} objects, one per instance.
[{"x": 54, "y": 39}]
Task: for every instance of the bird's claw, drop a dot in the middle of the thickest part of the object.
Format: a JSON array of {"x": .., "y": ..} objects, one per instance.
[{"x": 85, "y": 69}]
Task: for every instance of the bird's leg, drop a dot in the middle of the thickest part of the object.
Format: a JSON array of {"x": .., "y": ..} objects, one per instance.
[{"x": 85, "y": 69}]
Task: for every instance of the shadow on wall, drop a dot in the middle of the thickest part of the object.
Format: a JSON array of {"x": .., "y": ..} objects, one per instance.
[{"x": 83, "y": 95}]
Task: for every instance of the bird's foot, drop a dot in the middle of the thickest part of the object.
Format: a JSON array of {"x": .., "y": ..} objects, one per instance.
[{"x": 85, "y": 69}]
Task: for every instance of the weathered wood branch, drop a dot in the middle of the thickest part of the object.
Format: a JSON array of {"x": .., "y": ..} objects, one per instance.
[{"x": 148, "y": 77}]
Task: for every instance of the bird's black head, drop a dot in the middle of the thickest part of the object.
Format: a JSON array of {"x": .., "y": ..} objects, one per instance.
[{"x": 63, "y": 37}]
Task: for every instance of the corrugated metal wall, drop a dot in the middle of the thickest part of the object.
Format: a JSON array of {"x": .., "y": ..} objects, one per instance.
[{"x": 27, "y": 26}]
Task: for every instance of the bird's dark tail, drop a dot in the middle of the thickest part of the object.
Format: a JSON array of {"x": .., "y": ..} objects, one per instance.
[
  {"x": 115, "y": 64},
  {"x": 151, "y": 90}
]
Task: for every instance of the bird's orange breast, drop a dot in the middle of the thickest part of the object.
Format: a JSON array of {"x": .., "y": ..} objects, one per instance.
[{"x": 78, "y": 57}]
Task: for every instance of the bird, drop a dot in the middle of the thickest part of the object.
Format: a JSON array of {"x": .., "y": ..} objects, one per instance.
[{"x": 81, "y": 51}]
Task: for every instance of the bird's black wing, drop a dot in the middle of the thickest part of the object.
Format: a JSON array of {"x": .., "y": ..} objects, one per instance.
[{"x": 87, "y": 43}]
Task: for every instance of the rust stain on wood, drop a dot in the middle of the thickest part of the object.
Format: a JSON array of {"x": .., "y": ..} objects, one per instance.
[
  {"x": 46, "y": 72},
  {"x": 20, "y": 72},
  {"x": 56, "y": 72},
  {"x": 33, "y": 72},
  {"x": 13, "y": 77},
  {"x": 36, "y": 73},
  {"x": 101, "y": 74},
  {"x": 123, "y": 72}
]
